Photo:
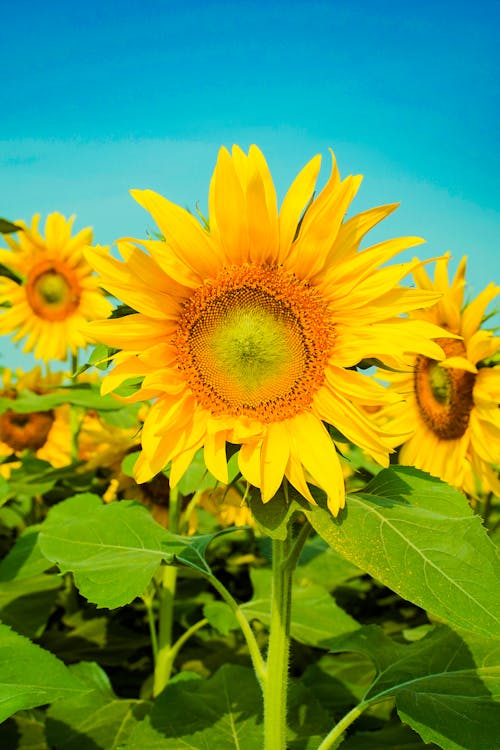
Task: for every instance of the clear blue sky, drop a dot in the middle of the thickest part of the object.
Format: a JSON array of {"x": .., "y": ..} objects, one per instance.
[{"x": 101, "y": 97}]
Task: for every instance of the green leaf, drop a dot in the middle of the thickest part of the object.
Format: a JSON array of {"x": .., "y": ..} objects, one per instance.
[
  {"x": 197, "y": 477},
  {"x": 223, "y": 712},
  {"x": 30, "y": 676},
  {"x": 86, "y": 395},
  {"x": 114, "y": 550},
  {"x": 316, "y": 618},
  {"x": 321, "y": 564},
  {"x": 274, "y": 517},
  {"x": 8, "y": 227},
  {"x": 26, "y": 603},
  {"x": 419, "y": 536},
  {"x": 220, "y": 616},
  {"x": 446, "y": 686},
  {"x": 25, "y": 559},
  {"x": 98, "y": 719}
]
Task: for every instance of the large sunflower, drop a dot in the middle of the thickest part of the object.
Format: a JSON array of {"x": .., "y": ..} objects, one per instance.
[
  {"x": 55, "y": 292},
  {"x": 246, "y": 332},
  {"x": 451, "y": 416}
]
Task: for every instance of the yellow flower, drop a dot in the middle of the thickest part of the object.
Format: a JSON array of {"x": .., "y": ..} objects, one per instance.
[
  {"x": 47, "y": 434},
  {"x": 451, "y": 415},
  {"x": 56, "y": 292},
  {"x": 245, "y": 333}
]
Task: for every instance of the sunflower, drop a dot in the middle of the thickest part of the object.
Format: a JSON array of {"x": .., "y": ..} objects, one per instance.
[
  {"x": 53, "y": 292},
  {"x": 451, "y": 416},
  {"x": 47, "y": 434},
  {"x": 248, "y": 332}
]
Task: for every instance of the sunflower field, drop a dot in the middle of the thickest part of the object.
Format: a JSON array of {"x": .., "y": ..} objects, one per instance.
[{"x": 249, "y": 497}]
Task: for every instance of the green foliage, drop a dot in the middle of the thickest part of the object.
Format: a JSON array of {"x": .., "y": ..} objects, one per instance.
[
  {"x": 223, "y": 712},
  {"x": 407, "y": 549},
  {"x": 316, "y": 618},
  {"x": 8, "y": 227},
  {"x": 97, "y": 719},
  {"x": 462, "y": 666},
  {"x": 419, "y": 537},
  {"x": 30, "y": 676}
]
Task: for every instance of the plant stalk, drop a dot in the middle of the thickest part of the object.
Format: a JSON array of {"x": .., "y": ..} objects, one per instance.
[
  {"x": 276, "y": 675},
  {"x": 163, "y": 664}
]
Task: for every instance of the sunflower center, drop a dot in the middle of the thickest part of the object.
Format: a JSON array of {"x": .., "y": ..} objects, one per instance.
[
  {"x": 444, "y": 397},
  {"x": 254, "y": 341},
  {"x": 53, "y": 291},
  {"x": 25, "y": 431}
]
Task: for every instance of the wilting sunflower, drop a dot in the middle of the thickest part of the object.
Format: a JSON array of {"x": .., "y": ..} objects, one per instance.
[
  {"x": 246, "y": 332},
  {"x": 46, "y": 434},
  {"x": 54, "y": 292},
  {"x": 451, "y": 414}
]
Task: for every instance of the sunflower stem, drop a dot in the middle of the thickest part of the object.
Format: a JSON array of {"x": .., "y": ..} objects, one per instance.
[
  {"x": 164, "y": 662},
  {"x": 253, "y": 646},
  {"x": 276, "y": 675},
  {"x": 332, "y": 739}
]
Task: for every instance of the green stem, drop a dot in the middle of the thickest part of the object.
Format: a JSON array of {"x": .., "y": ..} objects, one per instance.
[
  {"x": 253, "y": 646},
  {"x": 338, "y": 730},
  {"x": 163, "y": 665},
  {"x": 148, "y": 603},
  {"x": 276, "y": 681},
  {"x": 185, "y": 637}
]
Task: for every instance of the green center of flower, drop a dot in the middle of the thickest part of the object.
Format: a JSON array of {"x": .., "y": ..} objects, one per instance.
[
  {"x": 254, "y": 341},
  {"x": 52, "y": 287},
  {"x": 251, "y": 351},
  {"x": 53, "y": 290},
  {"x": 440, "y": 383},
  {"x": 444, "y": 396}
]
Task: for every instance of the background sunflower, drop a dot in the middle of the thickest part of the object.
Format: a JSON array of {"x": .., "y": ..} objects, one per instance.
[
  {"x": 53, "y": 291},
  {"x": 450, "y": 415}
]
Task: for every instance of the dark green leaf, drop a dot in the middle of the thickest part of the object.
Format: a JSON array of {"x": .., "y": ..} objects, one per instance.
[
  {"x": 8, "y": 227},
  {"x": 446, "y": 686},
  {"x": 223, "y": 712},
  {"x": 419, "y": 536},
  {"x": 26, "y": 603},
  {"x": 98, "y": 719},
  {"x": 30, "y": 676}
]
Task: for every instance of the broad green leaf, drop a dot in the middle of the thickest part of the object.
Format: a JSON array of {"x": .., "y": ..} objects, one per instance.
[
  {"x": 321, "y": 564},
  {"x": 419, "y": 536},
  {"x": 446, "y": 686},
  {"x": 315, "y": 618},
  {"x": 224, "y": 712},
  {"x": 30, "y": 676},
  {"x": 98, "y": 719},
  {"x": 220, "y": 616},
  {"x": 26, "y": 603},
  {"x": 25, "y": 559},
  {"x": 114, "y": 550},
  {"x": 339, "y": 681}
]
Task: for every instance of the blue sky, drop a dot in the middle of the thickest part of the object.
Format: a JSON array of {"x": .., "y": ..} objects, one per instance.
[{"x": 102, "y": 97}]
